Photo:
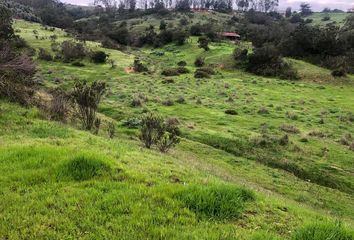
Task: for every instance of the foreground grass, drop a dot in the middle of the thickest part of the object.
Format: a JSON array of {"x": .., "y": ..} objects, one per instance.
[{"x": 52, "y": 187}]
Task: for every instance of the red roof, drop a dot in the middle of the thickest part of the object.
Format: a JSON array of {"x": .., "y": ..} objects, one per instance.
[{"x": 230, "y": 34}]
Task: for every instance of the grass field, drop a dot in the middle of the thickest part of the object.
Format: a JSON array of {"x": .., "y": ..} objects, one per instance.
[
  {"x": 78, "y": 185},
  {"x": 336, "y": 18}
]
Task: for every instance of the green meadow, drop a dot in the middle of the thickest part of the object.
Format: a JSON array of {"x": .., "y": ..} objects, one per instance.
[{"x": 277, "y": 168}]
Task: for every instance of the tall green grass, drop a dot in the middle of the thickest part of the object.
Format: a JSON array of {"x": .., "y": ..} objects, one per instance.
[
  {"x": 83, "y": 167},
  {"x": 220, "y": 202},
  {"x": 323, "y": 231}
]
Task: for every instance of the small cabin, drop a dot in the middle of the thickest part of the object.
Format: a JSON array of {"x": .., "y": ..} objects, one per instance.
[{"x": 232, "y": 36}]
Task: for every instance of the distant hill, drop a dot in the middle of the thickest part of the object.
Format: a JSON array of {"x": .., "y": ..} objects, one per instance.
[{"x": 21, "y": 11}]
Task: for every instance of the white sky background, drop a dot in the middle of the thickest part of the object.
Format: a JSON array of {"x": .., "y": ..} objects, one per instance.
[{"x": 317, "y": 5}]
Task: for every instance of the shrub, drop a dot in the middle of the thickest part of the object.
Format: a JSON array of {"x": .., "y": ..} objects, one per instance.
[
  {"x": 72, "y": 51},
  {"x": 99, "y": 57},
  {"x": 78, "y": 64},
  {"x": 170, "y": 137},
  {"x": 136, "y": 102},
  {"x": 44, "y": 55},
  {"x": 168, "y": 102},
  {"x": 199, "y": 62},
  {"x": 156, "y": 131},
  {"x": 132, "y": 122},
  {"x": 201, "y": 74},
  {"x": 97, "y": 125},
  {"x": 290, "y": 129},
  {"x": 339, "y": 73},
  {"x": 138, "y": 66},
  {"x": 152, "y": 129},
  {"x": 203, "y": 42},
  {"x": 87, "y": 98},
  {"x": 16, "y": 76},
  {"x": 83, "y": 168},
  {"x": 220, "y": 202},
  {"x": 326, "y": 18},
  {"x": 59, "y": 106},
  {"x": 174, "y": 71},
  {"x": 111, "y": 129},
  {"x": 266, "y": 61},
  {"x": 321, "y": 231},
  {"x": 208, "y": 70},
  {"x": 182, "y": 63},
  {"x": 231, "y": 112}
]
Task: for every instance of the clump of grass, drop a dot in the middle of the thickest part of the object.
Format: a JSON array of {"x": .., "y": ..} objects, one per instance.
[
  {"x": 83, "y": 167},
  {"x": 324, "y": 231},
  {"x": 220, "y": 202},
  {"x": 290, "y": 129}
]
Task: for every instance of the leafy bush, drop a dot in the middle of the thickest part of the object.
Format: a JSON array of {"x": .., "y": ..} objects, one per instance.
[
  {"x": 201, "y": 74},
  {"x": 157, "y": 131},
  {"x": 182, "y": 63},
  {"x": 132, "y": 122},
  {"x": 71, "y": 51},
  {"x": 203, "y": 42},
  {"x": 321, "y": 231},
  {"x": 199, "y": 62},
  {"x": 83, "y": 168},
  {"x": 111, "y": 129},
  {"x": 231, "y": 112},
  {"x": 152, "y": 129},
  {"x": 16, "y": 76},
  {"x": 220, "y": 202},
  {"x": 99, "y": 57},
  {"x": 87, "y": 98},
  {"x": 266, "y": 61},
  {"x": 44, "y": 55},
  {"x": 78, "y": 64},
  {"x": 139, "y": 66},
  {"x": 174, "y": 71},
  {"x": 59, "y": 106},
  {"x": 339, "y": 73}
]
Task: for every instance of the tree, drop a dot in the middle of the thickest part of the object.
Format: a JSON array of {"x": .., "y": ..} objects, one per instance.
[
  {"x": 6, "y": 30},
  {"x": 87, "y": 98},
  {"x": 183, "y": 5},
  {"x": 305, "y": 9},
  {"x": 203, "y": 43},
  {"x": 16, "y": 76},
  {"x": 109, "y": 5},
  {"x": 163, "y": 25},
  {"x": 288, "y": 12}
]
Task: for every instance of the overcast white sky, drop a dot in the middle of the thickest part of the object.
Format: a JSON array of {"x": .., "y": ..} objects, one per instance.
[{"x": 317, "y": 5}]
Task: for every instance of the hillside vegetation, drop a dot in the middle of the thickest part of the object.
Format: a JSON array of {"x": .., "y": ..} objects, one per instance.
[{"x": 256, "y": 157}]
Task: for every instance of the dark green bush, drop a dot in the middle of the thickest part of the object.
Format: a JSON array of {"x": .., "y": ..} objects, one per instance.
[
  {"x": 199, "y": 62},
  {"x": 339, "y": 73},
  {"x": 99, "y": 57},
  {"x": 231, "y": 112},
  {"x": 182, "y": 63},
  {"x": 201, "y": 74},
  {"x": 220, "y": 202},
  {"x": 44, "y": 55},
  {"x": 175, "y": 71},
  {"x": 78, "y": 64}
]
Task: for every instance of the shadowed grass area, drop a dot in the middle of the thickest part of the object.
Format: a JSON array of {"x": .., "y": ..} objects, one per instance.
[
  {"x": 221, "y": 202},
  {"x": 323, "y": 231}
]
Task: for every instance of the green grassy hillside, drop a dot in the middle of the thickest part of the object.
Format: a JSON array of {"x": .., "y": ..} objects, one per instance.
[
  {"x": 232, "y": 176},
  {"x": 336, "y": 18}
]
